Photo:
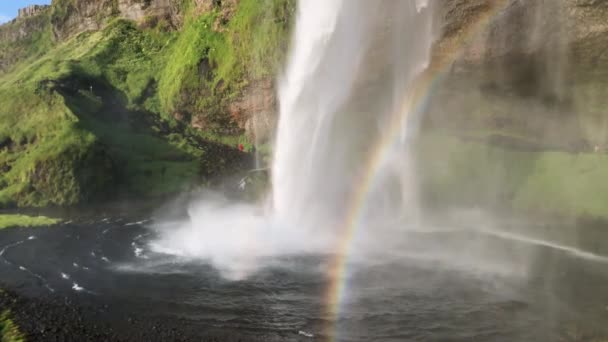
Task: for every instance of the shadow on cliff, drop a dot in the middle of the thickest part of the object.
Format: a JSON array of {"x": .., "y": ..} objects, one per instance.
[{"x": 151, "y": 157}]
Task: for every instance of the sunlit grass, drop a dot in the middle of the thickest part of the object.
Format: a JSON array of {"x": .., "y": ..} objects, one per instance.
[
  {"x": 14, "y": 220},
  {"x": 9, "y": 332},
  {"x": 54, "y": 120}
]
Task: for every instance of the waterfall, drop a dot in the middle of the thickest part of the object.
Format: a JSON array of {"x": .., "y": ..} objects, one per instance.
[{"x": 352, "y": 63}]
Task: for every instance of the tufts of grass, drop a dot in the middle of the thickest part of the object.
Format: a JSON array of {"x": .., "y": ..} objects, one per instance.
[
  {"x": 9, "y": 332},
  {"x": 9, "y": 221},
  {"x": 211, "y": 61}
]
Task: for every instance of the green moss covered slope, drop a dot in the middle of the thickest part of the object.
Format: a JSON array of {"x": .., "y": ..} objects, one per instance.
[{"x": 95, "y": 116}]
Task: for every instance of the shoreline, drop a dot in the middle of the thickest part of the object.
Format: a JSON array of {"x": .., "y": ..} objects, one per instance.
[{"x": 73, "y": 318}]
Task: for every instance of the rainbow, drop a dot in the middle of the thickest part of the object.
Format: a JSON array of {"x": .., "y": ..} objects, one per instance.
[{"x": 414, "y": 102}]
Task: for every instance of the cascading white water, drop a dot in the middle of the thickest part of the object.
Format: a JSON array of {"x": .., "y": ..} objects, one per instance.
[
  {"x": 352, "y": 63},
  {"x": 328, "y": 48}
]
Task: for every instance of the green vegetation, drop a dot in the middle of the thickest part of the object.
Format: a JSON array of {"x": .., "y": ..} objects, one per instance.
[
  {"x": 213, "y": 60},
  {"x": 37, "y": 42},
  {"x": 94, "y": 116},
  {"x": 7, "y": 221},
  {"x": 542, "y": 182},
  {"x": 9, "y": 332}
]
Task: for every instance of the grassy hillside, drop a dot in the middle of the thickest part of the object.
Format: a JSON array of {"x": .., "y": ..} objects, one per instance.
[
  {"x": 213, "y": 60},
  {"x": 93, "y": 116}
]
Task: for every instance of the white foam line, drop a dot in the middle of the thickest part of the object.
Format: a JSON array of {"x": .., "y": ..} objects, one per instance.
[
  {"x": 567, "y": 249},
  {"x": 79, "y": 288},
  {"x": 22, "y": 268},
  {"x": 305, "y": 334},
  {"x": 41, "y": 278},
  {"x": 141, "y": 236},
  {"x": 138, "y": 222},
  {"x": 9, "y": 246}
]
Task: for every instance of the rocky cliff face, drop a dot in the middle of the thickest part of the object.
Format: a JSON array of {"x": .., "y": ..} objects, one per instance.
[
  {"x": 518, "y": 119},
  {"x": 75, "y": 16},
  {"x": 535, "y": 69},
  {"x": 31, "y": 20},
  {"x": 31, "y": 11},
  {"x": 71, "y": 17},
  {"x": 24, "y": 36}
]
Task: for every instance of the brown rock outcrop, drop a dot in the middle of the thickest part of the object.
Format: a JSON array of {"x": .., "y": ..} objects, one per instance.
[
  {"x": 255, "y": 111},
  {"x": 31, "y": 11},
  {"x": 83, "y": 15},
  {"x": 534, "y": 69}
]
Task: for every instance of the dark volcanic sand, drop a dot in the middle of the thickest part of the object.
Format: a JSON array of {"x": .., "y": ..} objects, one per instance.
[
  {"x": 68, "y": 319},
  {"x": 97, "y": 280}
]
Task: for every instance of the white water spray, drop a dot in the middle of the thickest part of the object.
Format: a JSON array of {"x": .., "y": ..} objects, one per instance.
[{"x": 351, "y": 64}]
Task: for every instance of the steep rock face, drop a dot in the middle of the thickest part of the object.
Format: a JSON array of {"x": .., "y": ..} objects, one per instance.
[
  {"x": 71, "y": 17},
  {"x": 23, "y": 27},
  {"x": 31, "y": 11},
  {"x": 25, "y": 36},
  {"x": 255, "y": 111},
  {"x": 536, "y": 69},
  {"x": 74, "y": 16},
  {"x": 518, "y": 119}
]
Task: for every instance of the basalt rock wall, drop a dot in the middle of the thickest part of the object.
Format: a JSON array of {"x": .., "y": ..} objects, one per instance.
[{"x": 535, "y": 69}]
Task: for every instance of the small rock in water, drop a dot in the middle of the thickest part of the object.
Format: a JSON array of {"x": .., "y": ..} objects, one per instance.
[{"x": 306, "y": 334}]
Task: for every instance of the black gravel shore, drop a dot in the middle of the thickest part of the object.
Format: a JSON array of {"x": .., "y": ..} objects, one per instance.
[{"x": 56, "y": 319}]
